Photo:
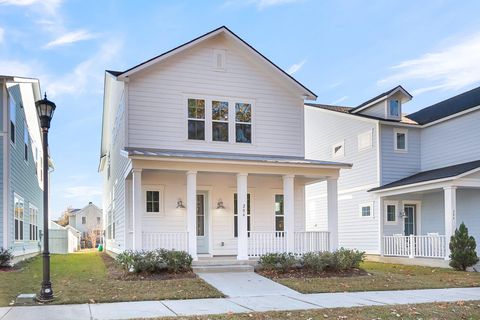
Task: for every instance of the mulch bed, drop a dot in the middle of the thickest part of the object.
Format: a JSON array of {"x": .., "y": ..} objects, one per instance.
[
  {"x": 117, "y": 273},
  {"x": 299, "y": 273}
]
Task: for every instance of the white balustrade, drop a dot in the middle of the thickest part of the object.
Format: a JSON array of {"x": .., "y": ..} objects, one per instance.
[
  {"x": 312, "y": 241},
  {"x": 165, "y": 240},
  {"x": 424, "y": 246}
]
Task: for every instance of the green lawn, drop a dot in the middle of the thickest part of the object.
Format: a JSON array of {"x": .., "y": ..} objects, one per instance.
[
  {"x": 384, "y": 276},
  {"x": 444, "y": 311},
  {"x": 83, "y": 277}
]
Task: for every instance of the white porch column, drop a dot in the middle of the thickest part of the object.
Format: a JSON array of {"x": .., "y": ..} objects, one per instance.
[
  {"x": 450, "y": 198},
  {"x": 192, "y": 213},
  {"x": 137, "y": 198},
  {"x": 242, "y": 239},
  {"x": 332, "y": 208},
  {"x": 288, "y": 210},
  {"x": 379, "y": 212}
]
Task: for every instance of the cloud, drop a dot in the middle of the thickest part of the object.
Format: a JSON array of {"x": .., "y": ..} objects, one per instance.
[
  {"x": 71, "y": 37},
  {"x": 339, "y": 100},
  {"x": 296, "y": 67},
  {"x": 87, "y": 75},
  {"x": 48, "y": 7},
  {"x": 16, "y": 68},
  {"x": 2, "y": 34},
  {"x": 451, "y": 68},
  {"x": 82, "y": 192},
  {"x": 260, "y": 4}
]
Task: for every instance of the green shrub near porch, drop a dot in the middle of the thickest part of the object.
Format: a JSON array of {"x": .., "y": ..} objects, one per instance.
[{"x": 155, "y": 261}]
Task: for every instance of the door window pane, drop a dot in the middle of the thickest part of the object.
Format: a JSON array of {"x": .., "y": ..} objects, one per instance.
[
  {"x": 200, "y": 215},
  {"x": 279, "y": 213}
]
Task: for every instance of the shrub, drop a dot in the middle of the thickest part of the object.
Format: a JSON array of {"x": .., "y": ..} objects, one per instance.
[
  {"x": 176, "y": 261},
  {"x": 340, "y": 260},
  {"x": 154, "y": 261},
  {"x": 278, "y": 261},
  {"x": 462, "y": 248},
  {"x": 318, "y": 261},
  {"x": 6, "y": 257},
  {"x": 347, "y": 259}
]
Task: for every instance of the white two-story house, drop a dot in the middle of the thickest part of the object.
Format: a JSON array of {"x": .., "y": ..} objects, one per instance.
[
  {"x": 415, "y": 178},
  {"x": 88, "y": 221},
  {"x": 203, "y": 150}
]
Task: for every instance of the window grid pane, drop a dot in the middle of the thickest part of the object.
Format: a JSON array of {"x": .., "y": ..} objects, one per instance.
[{"x": 153, "y": 201}]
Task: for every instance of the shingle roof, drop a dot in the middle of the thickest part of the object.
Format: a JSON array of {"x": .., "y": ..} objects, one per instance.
[
  {"x": 431, "y": 175},
  {"x": 384, "y": 94},
  {"x": 114, "y": 73},
  {"x": 230, "y": 156},
  {"x": 445, "y": 108}
]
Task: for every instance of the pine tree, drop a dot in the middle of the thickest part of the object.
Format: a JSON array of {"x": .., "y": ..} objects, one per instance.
[{"x": 462, "y": 249}]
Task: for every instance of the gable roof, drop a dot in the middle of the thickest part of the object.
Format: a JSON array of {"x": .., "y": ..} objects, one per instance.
[
  {"x": 431, "y": 175},
  {"x": 221, "y": 30},
  {"x": 448, "y": 107},
  {"x": 380, "y": 96}
]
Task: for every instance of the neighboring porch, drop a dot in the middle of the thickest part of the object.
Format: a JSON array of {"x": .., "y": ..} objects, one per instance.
[
  {"x": 418, "y": 217},
  {"x": 223, "y": 207}
]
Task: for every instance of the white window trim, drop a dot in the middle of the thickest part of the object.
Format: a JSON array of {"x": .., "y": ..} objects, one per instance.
[
  {"x": 161, "y": 197},
  {"x": 363, "y": 205},
  {"x": 223, "y": 53},
  {"x": 395, "y": 132},
  {"x": 20, "y": 198},
  {"x": 368, "y": 133},
  {"x": 391, "y": 203},
  {"x": 338, "y": 155},
  {"x": 387, "y": 109},
  {"x": 231, "y": 119},
  {"x": 30, "y": 207}
]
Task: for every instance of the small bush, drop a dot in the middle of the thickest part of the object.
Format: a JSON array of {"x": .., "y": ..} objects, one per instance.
[
  {"x": 347, "y": 259},
  {"x": 154, "y": 261},
  {"x": 278, "y": 261},
  {"x": 462, "y": 248},
  {"x": 318, "y": 261},
  {"x": 176, "y": 261},
  {"x": 340, "y": 260},
  {"x": 6, "y": 257}
]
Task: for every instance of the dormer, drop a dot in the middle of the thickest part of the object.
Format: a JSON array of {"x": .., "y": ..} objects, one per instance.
[{"x": 387, "y": 105}]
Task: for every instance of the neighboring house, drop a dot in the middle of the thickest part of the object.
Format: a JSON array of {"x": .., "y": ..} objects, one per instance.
[
  {"x": 87, "y": 220},
  {"x": 203, "y": 150},
  {"x": 415, "y": 178},
  {"x": 63, "y": 240},
  {"x": 21, "y": 172}
]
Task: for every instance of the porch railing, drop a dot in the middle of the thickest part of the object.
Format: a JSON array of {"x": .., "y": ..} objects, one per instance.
[
  {"x": 263, "y": 242},
  {"x": 165, "y": 240},
  {"x": 424, "y": 246}
]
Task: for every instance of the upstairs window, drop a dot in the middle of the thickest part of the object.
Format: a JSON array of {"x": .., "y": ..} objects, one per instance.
[
  {"x": 220, "y": 121},
  {"x": 279, "y": 213},
  {"x": 196, "y": 119},
  {"x": 394, "y": 108},
  {"x": 84, "y": 220},
  {"x": 235, "y": 215},
  {"x": 243, "y": 122},
  {"x": 13, "y": 118},
  {"x": 33, "y": 223},
  {"x": 400, "y": 140},
  {"x": 18, "y": 207},
  {"x": 26, "y": 139}
]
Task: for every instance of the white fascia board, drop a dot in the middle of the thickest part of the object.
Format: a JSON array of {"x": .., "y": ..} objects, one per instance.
[
  {"x": 458, "y": 114},
  {"x": 406, "y": 94}
]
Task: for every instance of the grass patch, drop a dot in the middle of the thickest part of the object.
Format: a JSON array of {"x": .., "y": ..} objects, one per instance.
[
  {"x": 385, "y": 276},
  {"x": 84, "y": 277},
  {"x": 444, "y": 311}
]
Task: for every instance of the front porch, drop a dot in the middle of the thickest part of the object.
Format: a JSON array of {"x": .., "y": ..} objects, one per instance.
[
  {"x": 215, "y": 207},
  {"x": 417, "y": 220}
]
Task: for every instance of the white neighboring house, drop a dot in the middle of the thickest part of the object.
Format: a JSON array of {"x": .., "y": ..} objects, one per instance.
[
  {"x": 63, "y": 240},
  {"x": 203, "y": 150},
  {"x": 86, "y": 220},
  {"x": 415, "y": 178}
]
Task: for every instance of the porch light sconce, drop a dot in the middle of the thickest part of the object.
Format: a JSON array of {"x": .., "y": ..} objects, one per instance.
[
  {"x": 220, "y": 204},
  {"x": 403, "y": 214},
  {"x": 180, "y": 204}
]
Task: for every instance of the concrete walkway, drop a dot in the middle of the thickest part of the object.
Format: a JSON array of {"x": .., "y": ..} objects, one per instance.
[
  {"x": 245, "y": 284},
  {"x": 148, "y": 309}
]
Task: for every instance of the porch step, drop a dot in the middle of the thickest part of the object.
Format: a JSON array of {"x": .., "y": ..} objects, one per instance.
[
  {"x": 222, "y": 262},
  {"x": 222, "y": 268}
]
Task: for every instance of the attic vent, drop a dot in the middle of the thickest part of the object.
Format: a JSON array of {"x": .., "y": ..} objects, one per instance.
[{"x": 219, "y": 59}]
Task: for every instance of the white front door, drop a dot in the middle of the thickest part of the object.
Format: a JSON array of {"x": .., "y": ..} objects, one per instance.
[{"x": 202, "y": 223}]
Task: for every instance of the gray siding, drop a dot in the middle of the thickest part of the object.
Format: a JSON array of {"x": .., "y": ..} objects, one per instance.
[
  {"x": 22, "y": 181},
  {"x": 451, "y": 142},
  {"x": 398, "y": 165},
  {"x": 323, "y": 129}
]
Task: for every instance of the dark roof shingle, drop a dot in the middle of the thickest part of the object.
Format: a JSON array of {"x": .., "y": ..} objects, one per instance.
[
  {"x": 430, "y": 175},
  {"x": 445, "y": 108}
]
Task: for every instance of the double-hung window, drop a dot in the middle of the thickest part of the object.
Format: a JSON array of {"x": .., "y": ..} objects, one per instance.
[
  {"x": 26, "y": 139},
  {"x": 243, "y": 122},
  {"x": 279, "y": 213},
  {"x": 391, "y": 212},
  {"x": 13, "y": 117},
  {"x": 33, "y": 223},
  {"x": 235, "y": 215},
  {"x": 220, "y": 121},
  {"x": 18, "y": 207},
  {"x": 400, "y": 140},
  {"x": 196, "y": 119}
]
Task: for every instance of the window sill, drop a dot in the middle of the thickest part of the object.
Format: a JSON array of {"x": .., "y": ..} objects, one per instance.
[
  {"x": 391, "y": 223},
  {"x": 400, "y": 150}
]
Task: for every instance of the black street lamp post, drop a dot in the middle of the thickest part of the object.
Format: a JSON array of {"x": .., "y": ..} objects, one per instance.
[{"x": 45, "y": 109}]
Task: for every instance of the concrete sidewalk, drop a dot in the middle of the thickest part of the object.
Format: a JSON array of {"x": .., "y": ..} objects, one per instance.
[{"x": 148, "y": 309}]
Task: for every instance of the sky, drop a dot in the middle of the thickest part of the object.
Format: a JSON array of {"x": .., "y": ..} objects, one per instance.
[{"x": 345, "y": 51}]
